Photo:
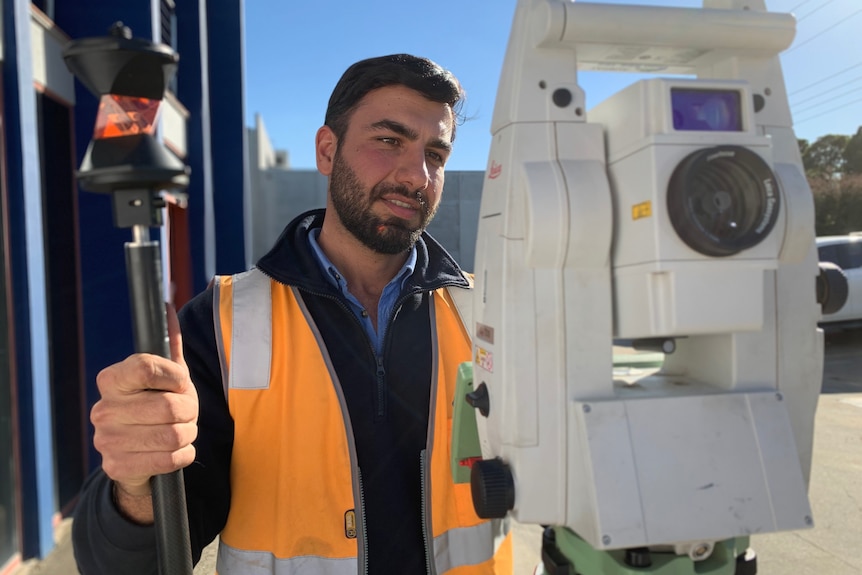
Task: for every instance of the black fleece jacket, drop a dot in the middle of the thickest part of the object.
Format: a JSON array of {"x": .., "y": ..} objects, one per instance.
[{"x": 388, "y": 402}]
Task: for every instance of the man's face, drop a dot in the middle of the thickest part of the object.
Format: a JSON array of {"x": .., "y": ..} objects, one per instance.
[
  {"x": 355, "y": 206},
  {"x": 386, "y": 176}
]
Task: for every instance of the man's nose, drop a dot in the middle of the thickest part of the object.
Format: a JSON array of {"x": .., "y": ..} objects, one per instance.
[{"x": 413, "y": 171}]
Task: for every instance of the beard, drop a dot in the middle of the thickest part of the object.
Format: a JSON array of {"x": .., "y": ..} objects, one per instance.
[{"x": 354, "y": 206}]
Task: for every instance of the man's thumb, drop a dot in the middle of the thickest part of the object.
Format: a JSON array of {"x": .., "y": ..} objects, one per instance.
[{"x": 175, "y": 339}]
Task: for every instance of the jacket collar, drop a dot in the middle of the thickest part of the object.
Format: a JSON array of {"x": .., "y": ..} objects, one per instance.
[{"x": 292, "y": 262}]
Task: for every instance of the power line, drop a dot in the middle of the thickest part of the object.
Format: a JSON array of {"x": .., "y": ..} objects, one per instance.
[
  {"x": 817, "y": 9},
  {"x": 825, "y": 30},
  {"x": 821, "y": 80},
  {"x": 827, "y": 92},
  {"x": 824, "y": 5},
  {"x": 834, "y": 97},
  {"x": 803, "y": 3},
  {"x": 828, "y": 111}
]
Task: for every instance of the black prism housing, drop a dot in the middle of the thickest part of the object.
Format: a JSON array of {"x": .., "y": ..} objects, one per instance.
[{"x": 124, "y": 66}]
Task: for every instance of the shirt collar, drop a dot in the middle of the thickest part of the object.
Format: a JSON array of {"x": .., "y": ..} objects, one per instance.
[{"x": 337, "y": 279}]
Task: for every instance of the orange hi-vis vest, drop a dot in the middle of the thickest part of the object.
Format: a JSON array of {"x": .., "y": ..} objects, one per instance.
[{"x": 296, "y": 488}]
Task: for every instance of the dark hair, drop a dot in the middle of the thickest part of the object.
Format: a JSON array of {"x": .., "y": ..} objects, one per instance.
[{"x": 420, "y": 74}]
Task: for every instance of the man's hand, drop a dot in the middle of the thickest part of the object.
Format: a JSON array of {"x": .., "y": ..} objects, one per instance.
[{"x": 145, "y": 422}]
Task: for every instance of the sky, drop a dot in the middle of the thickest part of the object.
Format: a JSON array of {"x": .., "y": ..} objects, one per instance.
[{"x": 296, "y": 51}]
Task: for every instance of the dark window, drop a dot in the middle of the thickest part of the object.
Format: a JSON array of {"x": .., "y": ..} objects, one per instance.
[
  {"x": 828, "y": 254},
  {"x": 46, "y": 6},
  {"x": 8, "y": 436},
  {"x": 168, "y": 30},
  {"x": 64, "y": 311},
  {"x": 854, "y": 254},
  {"x": 845, "y": 255},
  {"x": 168, "y": 23}
]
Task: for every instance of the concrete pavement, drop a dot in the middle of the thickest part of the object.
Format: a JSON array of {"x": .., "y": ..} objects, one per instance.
[{"x": 831, "y": 547}]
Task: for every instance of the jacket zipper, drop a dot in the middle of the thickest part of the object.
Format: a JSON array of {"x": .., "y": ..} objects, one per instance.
[
  {"x": 363, "y": 564},
  {"x": 381, "y": 389},
  {"x": 381, "y": 370},
  {"x": 426, "y": 519}
]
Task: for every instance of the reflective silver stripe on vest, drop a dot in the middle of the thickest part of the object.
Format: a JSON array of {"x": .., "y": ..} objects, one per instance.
[
  {"x": 464, "y": 546},
  {"x": 251, "y": 338},
  {"x": 232, "y": 561},
  {"x": 222, "y": 360}
]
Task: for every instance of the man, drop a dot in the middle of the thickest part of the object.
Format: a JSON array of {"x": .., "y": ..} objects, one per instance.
[{"x": 318, "y": 387}]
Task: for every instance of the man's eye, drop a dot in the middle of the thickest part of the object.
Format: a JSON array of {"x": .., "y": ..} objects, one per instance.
[
  {"x": 436, "y": 157},
  {"x": 389, "y": 140}
]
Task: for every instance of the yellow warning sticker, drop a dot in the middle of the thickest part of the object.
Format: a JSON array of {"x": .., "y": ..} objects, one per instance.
[
  {"x": 485, "y": 359},
  {"x": 642, "y": 210}
]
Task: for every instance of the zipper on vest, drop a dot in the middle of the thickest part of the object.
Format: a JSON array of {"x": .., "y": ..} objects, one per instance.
[
  {"x": 363, "y": 563},
  {"x": 426, "y": 514}
]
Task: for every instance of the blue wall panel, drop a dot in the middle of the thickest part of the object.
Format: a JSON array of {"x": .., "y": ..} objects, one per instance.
[
  {"x": 27, "y": 266},
  {"x": 225, "y": 23},
  {"x": 193, "y": 92}
]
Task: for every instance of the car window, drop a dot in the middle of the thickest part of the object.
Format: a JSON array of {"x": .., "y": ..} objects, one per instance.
[
  {"x": 846, "y": 256},
  {"x": 853, "y": 255},
  {"x": 828, "y": 254}
]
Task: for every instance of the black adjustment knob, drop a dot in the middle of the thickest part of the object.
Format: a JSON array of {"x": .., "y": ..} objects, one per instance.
[
  {"x": 562, "y": 97},
  {"x": 832, "y": 288},
  {"x": 638, "y": 557},
  {"x": 493, "y": 488},
  {"x": 746, "y": 563},
  {"x": 479, "y": 399}
]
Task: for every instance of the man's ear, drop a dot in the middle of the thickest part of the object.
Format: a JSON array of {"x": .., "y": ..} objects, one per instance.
[{"x": 325, "y": 144}]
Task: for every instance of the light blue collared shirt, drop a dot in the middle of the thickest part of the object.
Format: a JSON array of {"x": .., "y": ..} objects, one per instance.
[{"x": 387, "y": 299}]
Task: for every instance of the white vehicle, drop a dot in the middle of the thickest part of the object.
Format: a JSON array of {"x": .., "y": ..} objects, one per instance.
[{"x": 846, "y": 253}]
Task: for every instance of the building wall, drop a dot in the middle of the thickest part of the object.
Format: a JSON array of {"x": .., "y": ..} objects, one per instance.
[{"x": 282, "y": 195}]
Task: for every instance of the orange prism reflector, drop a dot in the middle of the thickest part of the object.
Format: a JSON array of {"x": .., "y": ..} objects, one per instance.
[{"x": 125, "y": 116}]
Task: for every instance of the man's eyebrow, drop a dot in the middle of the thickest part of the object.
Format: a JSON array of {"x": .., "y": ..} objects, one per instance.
[
  {"x": 409, "y": 133},
  {"x": 396, "y": 127}
]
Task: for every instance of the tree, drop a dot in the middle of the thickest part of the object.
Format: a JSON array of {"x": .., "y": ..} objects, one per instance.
[
  {"x": 837, "y": 205},
  {"x": 803, "y": 145},
  {"x": 853, "y": 154},
  {"x": 825, "y": 157}
]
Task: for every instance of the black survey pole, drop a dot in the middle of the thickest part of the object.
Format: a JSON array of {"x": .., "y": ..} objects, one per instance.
[{"x": 126, "y": 161}]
